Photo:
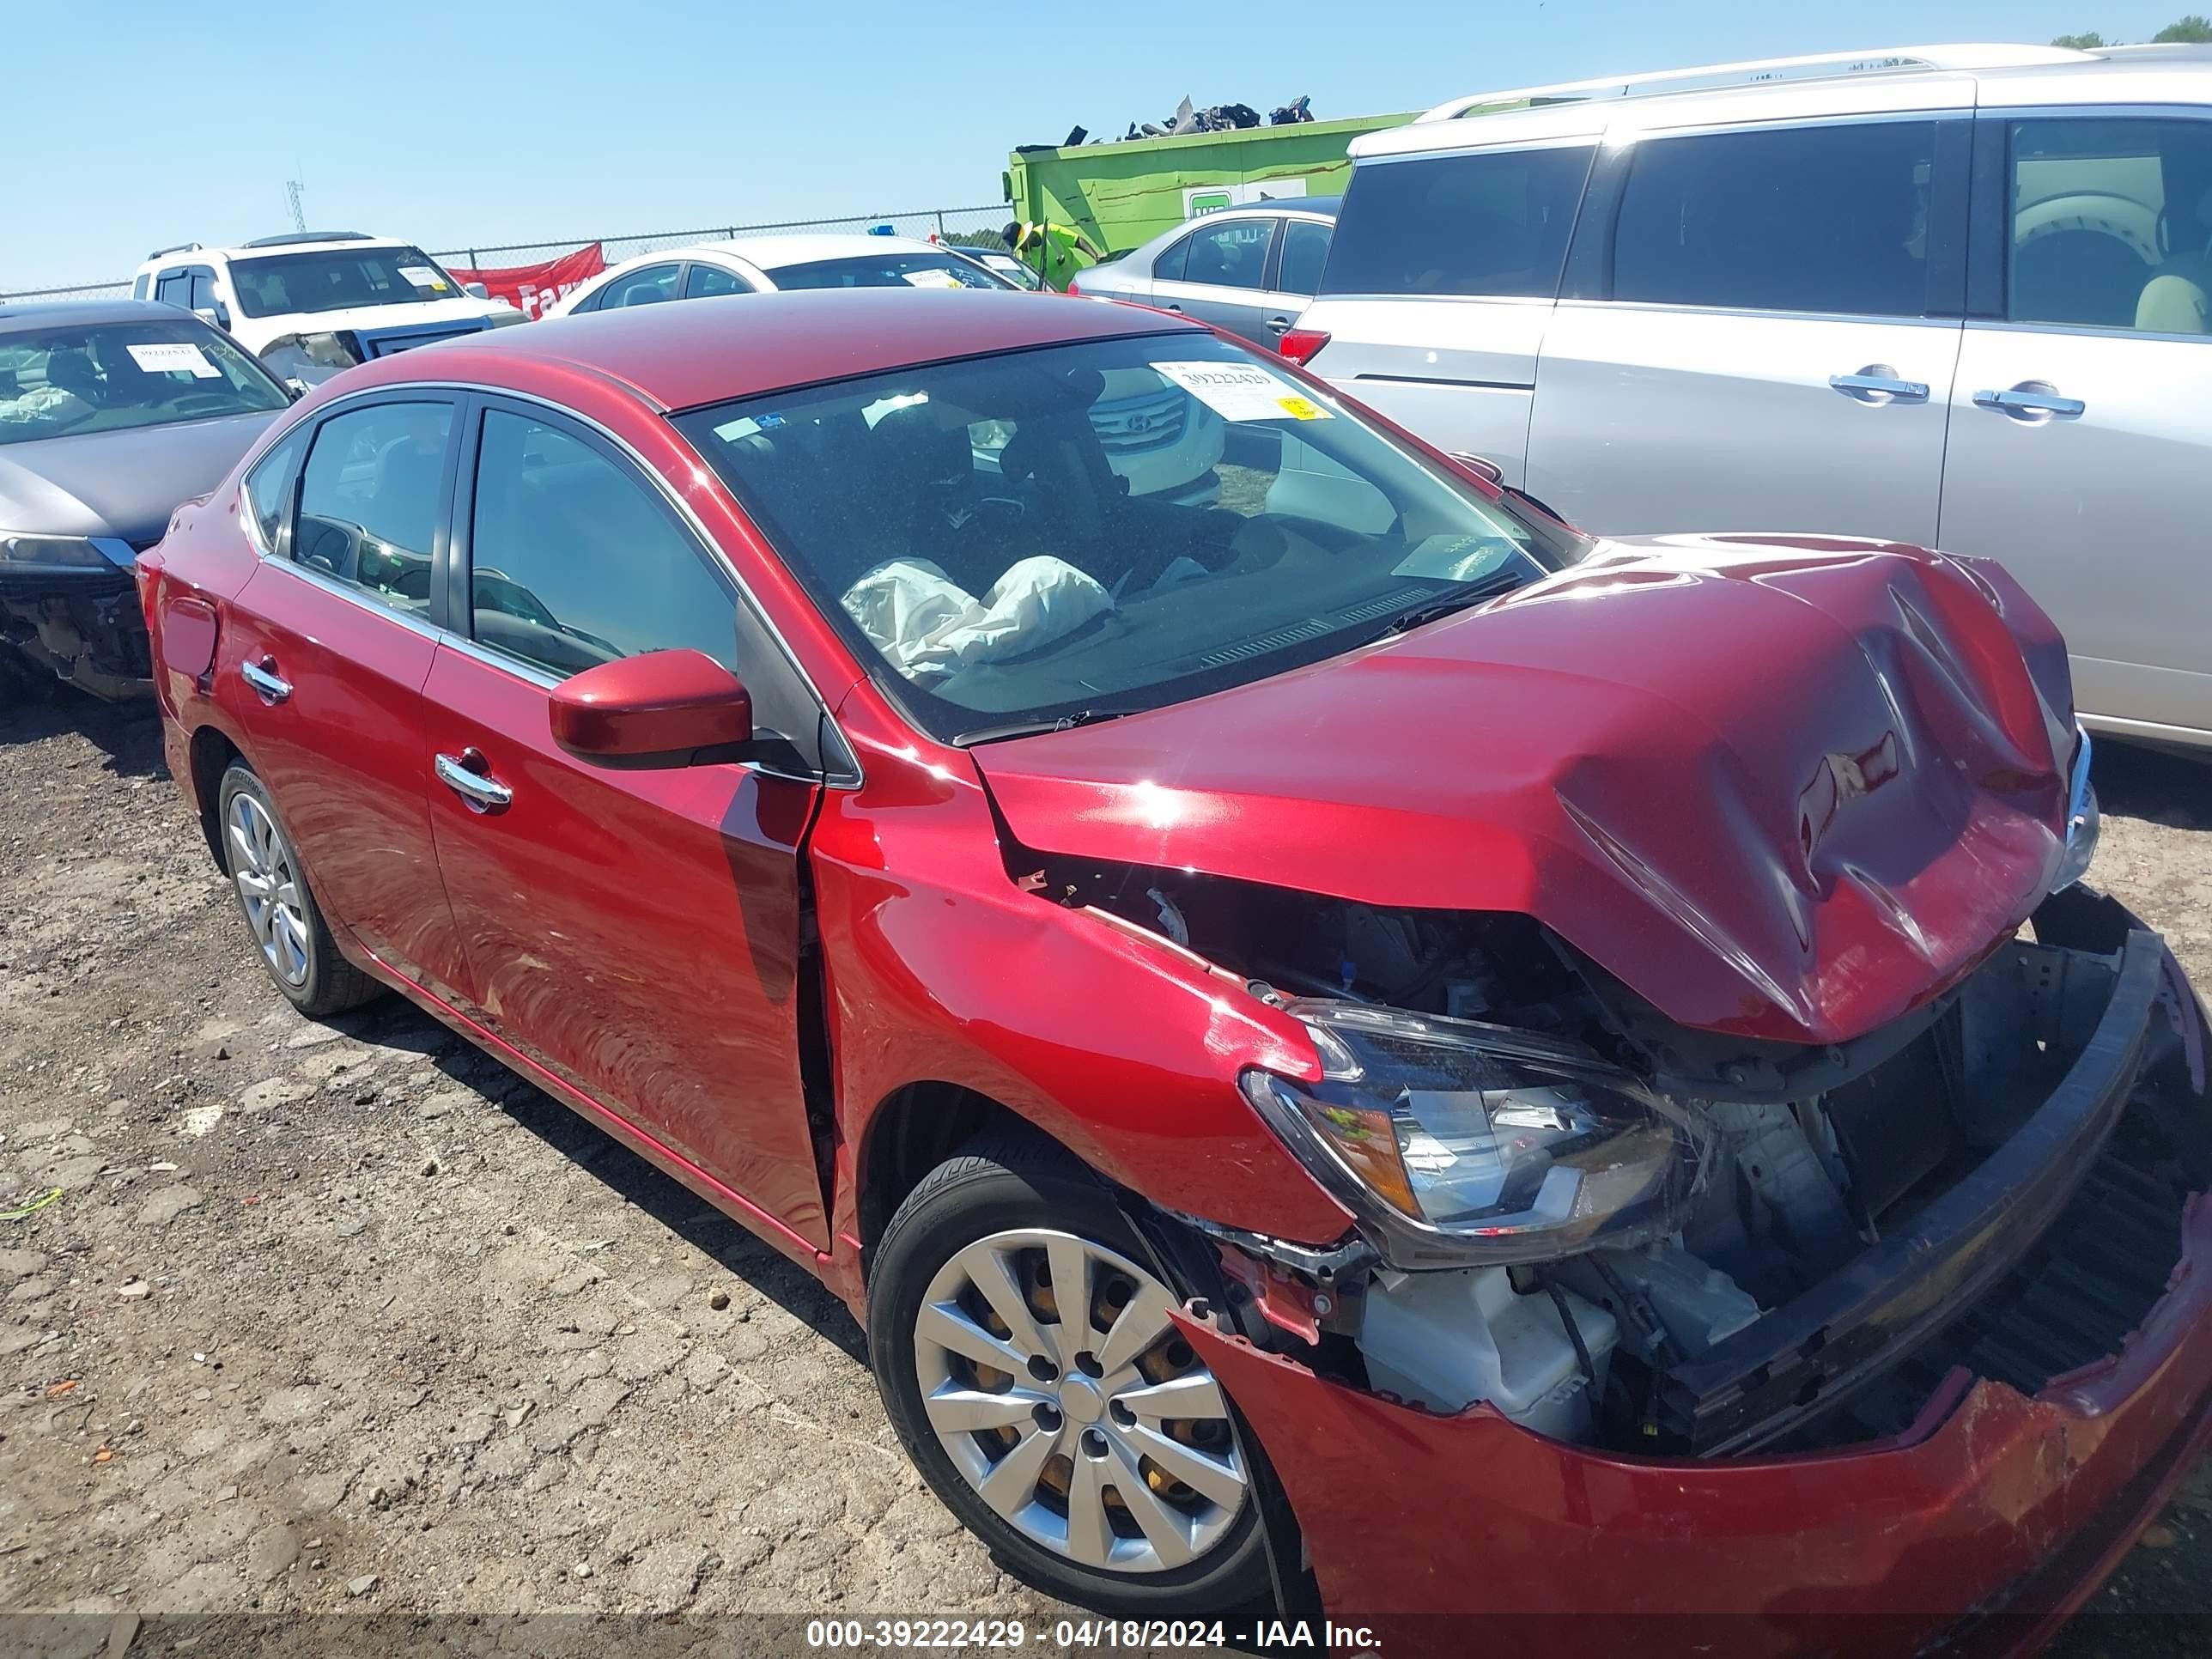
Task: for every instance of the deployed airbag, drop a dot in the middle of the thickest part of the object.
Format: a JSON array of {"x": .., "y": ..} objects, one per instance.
[{"x": 928, "y": 626}]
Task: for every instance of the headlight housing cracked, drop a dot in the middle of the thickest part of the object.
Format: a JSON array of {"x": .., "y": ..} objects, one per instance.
[{"x": 1458, "y": 1142}]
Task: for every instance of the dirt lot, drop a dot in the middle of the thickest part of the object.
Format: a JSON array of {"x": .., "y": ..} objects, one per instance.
[{"x": 349, "y": 1319}]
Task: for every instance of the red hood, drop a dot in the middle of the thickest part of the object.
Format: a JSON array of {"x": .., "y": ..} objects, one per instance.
[{"x": 1786, "y": 789}]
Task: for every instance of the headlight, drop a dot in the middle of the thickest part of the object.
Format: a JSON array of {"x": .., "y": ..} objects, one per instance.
[
  {"x": 1467, "y": 1142},
  {"x": 52, "y": 551},
  {"x": 2083, "y": 821}
]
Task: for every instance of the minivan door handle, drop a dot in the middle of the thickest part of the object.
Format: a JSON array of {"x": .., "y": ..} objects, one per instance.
[
  {"x": 263, "y": 677},
  {"x": 2028, "y": 401},
  {"x": 1877, "y": 384},
  {"x": 468, "y": 775},
  {"x": 1279, "y": 324}
]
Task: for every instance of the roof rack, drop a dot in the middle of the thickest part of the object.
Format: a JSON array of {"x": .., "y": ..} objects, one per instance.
[
  {"x": 181, "y": 247},
  {"x": 292, "y": 236},
  {"x": 1758, "y": 71}
]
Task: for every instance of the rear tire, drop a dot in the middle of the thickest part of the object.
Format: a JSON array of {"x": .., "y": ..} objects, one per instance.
[
  {"x": 1035, "y": 1455},
  {"x": 289, "y": 935}
]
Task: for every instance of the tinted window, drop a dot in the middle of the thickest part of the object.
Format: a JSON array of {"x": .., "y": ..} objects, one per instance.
[
  {"x": 641, "y": 288},
  {"x": 174, "y": 288},
  {"x": 1831, "y": 219},
  {"x": 338, "y": 279},
  {"x": 138, "y": 287},
  {"x": 370, "y": 500},
  {"x": 203, "y": 289},
  {"x": 1231, "y": 255},
  {"x": 1168, "y": 267},
  {"x": 1305, "y": 251},
  {"x": 1491, "y": 223},
  {"x": 268, "y": 485},
  {"x": 573, "y": 563},
  {"x": 2111, "y": 224},
  {"x": 705, "y": 281}
]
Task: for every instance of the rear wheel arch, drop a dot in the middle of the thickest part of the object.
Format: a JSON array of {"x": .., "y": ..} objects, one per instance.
[{"x": 212, "y": 754}]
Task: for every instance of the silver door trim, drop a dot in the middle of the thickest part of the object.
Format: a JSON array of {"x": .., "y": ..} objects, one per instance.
[{"x": 1672, "y": 308}]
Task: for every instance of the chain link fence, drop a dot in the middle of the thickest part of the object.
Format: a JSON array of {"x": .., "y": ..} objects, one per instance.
[{"x": 964, "y": 224}]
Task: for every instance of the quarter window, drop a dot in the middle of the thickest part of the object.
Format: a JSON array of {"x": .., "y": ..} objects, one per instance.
[
  {"x": 370, "y": 500},
  {"x": 2111, "y": 224},
  {"x": 1490, "y": 222},
  {"x": 1230, "y": 255},
  {"x": 573, "y": 563},
  {"x": 641, "y": 288},
  {"x": 268, "y": 486},
  {"x": 1818, "y": 219}
]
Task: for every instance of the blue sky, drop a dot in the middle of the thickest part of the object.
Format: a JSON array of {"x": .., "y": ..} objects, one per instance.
[{"x": 463, "y": 123}]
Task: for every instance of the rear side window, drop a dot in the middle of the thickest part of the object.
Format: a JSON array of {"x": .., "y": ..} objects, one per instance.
[
  {"x": 1490, "y": 222},
  {"x": 1229, "y": 255},
  {"x": 174, "y": 288},
  {"x": 1305, "y": 251},
  {"x": 371, "y": 499},
  {"x": 2111, "y": 223},
  {"x": 268, "y": 486},
  {"x": 1820, "y": 219}
]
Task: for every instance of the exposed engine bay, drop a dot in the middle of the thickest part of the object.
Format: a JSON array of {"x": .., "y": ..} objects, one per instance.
[{"x": 1678, "y": 1242}]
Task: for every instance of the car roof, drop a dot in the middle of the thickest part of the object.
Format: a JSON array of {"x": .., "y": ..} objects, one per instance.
[
  {"x": 44, "y": 313},
  {"x": 191, "y": 253},
  {"x": 773, "y": 252},
  {"x": 1951, "y": 78},
  {"x": 709, "y": 350}
]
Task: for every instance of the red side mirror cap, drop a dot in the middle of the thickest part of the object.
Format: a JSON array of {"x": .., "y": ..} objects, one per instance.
[{"x": 660, "y": 709}]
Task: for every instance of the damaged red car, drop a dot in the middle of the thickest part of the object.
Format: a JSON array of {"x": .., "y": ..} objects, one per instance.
[{"x": 1354, "y": 1050}]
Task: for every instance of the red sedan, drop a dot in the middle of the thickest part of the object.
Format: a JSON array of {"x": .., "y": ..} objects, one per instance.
[{"x": 1353, "y": 1048}]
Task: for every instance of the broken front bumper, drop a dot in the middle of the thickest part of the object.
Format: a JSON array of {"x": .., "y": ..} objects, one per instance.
[
  {"x": 1982, "y": 1525},
  {"x": 83, "y": 625}
]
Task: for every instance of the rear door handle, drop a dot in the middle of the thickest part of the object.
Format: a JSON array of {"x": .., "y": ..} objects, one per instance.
[
  {"x": 468, "y": 775},
  {"x": 1170, "y": 306},
  {"x": 263, "y": 677},
  {"x": 1878, "y": 383},
  {"x": 2029, "y": 399}
]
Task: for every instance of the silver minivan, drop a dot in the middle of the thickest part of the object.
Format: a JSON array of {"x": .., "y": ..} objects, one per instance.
[{"x": 1955, "y": 296}]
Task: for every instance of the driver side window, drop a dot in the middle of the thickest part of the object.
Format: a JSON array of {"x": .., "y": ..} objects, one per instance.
[{"x": 370, "y": 500}]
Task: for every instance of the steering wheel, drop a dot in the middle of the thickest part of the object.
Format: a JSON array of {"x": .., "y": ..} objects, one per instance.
[{"x": 332, "y": 545}]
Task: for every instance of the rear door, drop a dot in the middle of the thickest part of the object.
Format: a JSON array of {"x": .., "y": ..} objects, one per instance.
[
  {"x": 1220, "y": 275},
  {"x": 636, "y": 932},
  {"x": 2080, "y": 441},
  {"x": 323, "y": 658},
  {"x": 1441, "y": 279},
  {"x": 1766, "y": 337}
]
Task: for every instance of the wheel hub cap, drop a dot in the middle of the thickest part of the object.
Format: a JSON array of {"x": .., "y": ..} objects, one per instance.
[{"x": 1130, "y": 1466}]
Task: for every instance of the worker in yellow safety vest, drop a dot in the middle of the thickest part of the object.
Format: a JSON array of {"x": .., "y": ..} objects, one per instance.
[{"x": 1048, "y": 249}]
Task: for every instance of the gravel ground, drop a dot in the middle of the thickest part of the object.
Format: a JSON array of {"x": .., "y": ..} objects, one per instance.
[{"x": 348, "y": 1319}]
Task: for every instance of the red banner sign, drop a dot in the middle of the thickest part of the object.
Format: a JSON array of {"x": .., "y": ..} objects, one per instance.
[{"x": 534, "y": 290}]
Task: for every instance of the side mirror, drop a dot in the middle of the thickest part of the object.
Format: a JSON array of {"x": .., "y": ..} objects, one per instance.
[
  {"x": 215, "y": 316},
  {"x": 475, "y": 290},
  {"x": 657, "y": 711}
]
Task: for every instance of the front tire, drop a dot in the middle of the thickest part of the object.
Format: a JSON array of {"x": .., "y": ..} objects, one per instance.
[
  {"x": 280, "y": 909},
  {"x": 1077, "y": 1436}
]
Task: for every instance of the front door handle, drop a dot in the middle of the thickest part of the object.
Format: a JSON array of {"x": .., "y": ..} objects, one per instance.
[
  {"x": 1170, "y": 306},
  {"x": 1878, "y": 383},
  {"x": 263, "y": 677},
  {"x": 468, "y": 775},
  {"x": 2030, "y": 400},
  {"x": 1279, "y": 324}
]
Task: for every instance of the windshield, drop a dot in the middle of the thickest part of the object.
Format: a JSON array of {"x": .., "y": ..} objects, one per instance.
[
  {"x": 890, "y": 268},
  {"x": 338, "y": 279},
  {"x": 103, "y": 377},
  {"x": 1082, "y": 530}
]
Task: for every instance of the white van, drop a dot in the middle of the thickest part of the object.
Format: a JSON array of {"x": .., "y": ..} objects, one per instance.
[
  {"x": 314, "y": 303},
  {"x": 1947, "y": 295}
]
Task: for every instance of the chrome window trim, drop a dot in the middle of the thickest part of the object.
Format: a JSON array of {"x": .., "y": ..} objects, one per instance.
[
  {"x": 2084, "y": 330},
  {"x": 1747, "y": 312},
  {"x": 718, "y": 559}
]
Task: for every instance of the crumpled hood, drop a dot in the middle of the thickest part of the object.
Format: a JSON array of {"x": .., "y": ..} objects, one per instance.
[
  {"x": 1788, "y": 789},
  {"x": 124, "y": 483}
]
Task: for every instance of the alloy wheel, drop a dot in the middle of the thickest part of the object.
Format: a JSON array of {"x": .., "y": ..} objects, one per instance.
[
  {"x": 268, "y": 888},
  {"x": 1053, "y": 1378}
]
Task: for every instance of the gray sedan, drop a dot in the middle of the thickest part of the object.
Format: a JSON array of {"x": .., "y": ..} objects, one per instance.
[
  {"x": 1249, "y": 269},
  {"x": 111, "y": 413}
]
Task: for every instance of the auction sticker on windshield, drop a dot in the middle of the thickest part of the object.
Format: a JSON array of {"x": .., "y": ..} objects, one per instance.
[
  {"x": 1244, "y": 392},
  {"x": 423, "y": 276},
  {"x": 170, "y": 359}
]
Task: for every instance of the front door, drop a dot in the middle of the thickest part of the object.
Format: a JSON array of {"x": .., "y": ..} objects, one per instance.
[
  {"x": 325, "y": 658},
  {"x": 2080, "y": 449},
  {"x": 1764, "y": 362},
  {"x": 635, "y": 932}
]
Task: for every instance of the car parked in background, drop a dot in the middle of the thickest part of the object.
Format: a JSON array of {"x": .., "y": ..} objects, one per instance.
[
  {"x": 1159, "y": 445},
  {"x": 111, "y": 413},
  {"x": 1948, "y": 296},
  {"x": 1344, "y": 1039},
  {"x": 311, "y": 304},
  {"x": 1251, "y": 270}
]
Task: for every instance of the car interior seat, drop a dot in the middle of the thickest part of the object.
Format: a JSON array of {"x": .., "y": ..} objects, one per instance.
[{"x": 71, "y": 369}]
